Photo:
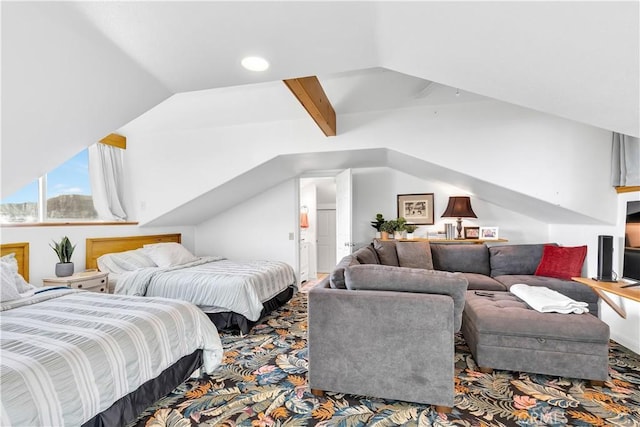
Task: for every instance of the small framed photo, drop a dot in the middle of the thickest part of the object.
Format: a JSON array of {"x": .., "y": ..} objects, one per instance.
[
  {"x": 416, "y": 208},
  {"x": 472, "y": 232},
  {"x": 489, "y": 233}
]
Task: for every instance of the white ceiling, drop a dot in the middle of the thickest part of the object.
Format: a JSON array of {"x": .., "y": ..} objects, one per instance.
[
  {"x": 73, "y": 72},
  {"x": 373, "y": 89},
  {"x": 578, "y": 60}
]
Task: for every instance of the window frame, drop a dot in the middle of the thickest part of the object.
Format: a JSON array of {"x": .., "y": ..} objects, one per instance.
[{"x": 42, "y": 220}]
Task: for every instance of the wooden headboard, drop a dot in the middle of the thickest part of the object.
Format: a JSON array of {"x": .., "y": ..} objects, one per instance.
[
  {"x": 108, "y": 245},
  {"x": 22, "y": 255}
]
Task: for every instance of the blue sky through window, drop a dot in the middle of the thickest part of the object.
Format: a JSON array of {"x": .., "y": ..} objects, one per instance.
[{"x": 72, "y": 177}]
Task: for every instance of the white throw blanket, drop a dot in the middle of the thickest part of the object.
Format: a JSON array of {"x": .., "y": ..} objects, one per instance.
[{"x": 547, "y": 300}]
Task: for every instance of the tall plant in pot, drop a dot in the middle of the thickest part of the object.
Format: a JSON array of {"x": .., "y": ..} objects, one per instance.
[
  {"x": 377, "y": 223},
  {"x": 64, "y": 249}
]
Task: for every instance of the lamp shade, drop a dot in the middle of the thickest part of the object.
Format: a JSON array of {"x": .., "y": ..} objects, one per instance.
[{"x": 459, "y": 207}]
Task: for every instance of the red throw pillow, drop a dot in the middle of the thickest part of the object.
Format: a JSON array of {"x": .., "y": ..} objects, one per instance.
[{"x": 561, "y": 262}]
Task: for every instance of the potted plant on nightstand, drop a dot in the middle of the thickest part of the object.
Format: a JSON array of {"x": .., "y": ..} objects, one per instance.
[
  {"x": 387, "y": 227},
  {"x": 64, "y": 249}
]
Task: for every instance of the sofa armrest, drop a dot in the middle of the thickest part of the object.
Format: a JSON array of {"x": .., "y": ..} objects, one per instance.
[{"x": 395, "y": 345}]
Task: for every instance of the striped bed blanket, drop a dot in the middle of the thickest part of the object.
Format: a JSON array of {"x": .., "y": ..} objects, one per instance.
[
  {"x": 214, "y": 284},
  {"x": 68, "y": 355}
]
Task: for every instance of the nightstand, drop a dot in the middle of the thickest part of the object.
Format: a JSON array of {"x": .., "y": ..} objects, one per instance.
[{"x": 94, "y": 281}]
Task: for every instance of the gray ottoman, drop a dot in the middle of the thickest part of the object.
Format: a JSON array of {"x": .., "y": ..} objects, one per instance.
[{"x": 503, "y": 332}]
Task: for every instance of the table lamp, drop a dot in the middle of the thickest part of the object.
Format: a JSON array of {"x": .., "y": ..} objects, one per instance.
[{"x": 459, "y": 207}]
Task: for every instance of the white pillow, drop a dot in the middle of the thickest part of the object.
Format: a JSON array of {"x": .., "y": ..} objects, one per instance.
[
  {"x": 11, "y": 264},
  {"x": 8, "y": 290},
  {"x": 169, "y": 254},
  {"x": 121, "y": 262}
]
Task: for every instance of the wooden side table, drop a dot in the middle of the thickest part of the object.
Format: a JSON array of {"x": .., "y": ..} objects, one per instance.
[
  {"x": 94, "y": 281},
  {"x": 615, "y": 288}
]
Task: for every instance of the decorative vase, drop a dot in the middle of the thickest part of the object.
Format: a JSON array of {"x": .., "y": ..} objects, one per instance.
[
  {"x": 378, "y": 235},
  {"x": 384, "y": 235},
  {"x": 64, "y": 269},
  {"x": 397, "y": 235},
  {"x": 409, "y": 236}
]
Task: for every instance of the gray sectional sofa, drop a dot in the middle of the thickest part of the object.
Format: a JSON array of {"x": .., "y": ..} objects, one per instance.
[
  {"x": 383, "y": 323},
  {"x": 488, "y": 268}
]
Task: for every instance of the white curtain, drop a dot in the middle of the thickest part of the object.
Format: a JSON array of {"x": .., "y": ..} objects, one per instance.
[
  {"x": 106, "y": 173},
  {"x": 625, "y": 160}
]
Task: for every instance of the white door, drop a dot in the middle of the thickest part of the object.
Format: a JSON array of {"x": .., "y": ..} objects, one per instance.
[
  {"x": 343, "y": 214},
  {"x": 326, "y": 240}
]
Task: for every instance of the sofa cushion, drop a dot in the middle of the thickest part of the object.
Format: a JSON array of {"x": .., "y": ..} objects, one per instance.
[
  {"x": 336, "y": 280},
  {"x": 515, "y": 259},
  {"x": 417, "y": 280},
  {"x": 386, "y": 250},
  {"x": 463, "y": 258},
  {"x": 480, "y": 282},
  {"x": 561, "y": 262},
  {"x": 414, "y": 255},
  {"x": 574, "y": 290},
  {"x": 367, "y": 255}
]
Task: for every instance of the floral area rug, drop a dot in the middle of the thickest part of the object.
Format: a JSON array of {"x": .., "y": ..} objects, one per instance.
[{"x": 262, "y": 382}]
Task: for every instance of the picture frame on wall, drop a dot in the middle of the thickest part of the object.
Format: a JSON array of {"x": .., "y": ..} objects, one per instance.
[
  {"x": 472, "y": 232},
  {"x": 416, "y": 208},
  {"x": 489, "y": 233}
]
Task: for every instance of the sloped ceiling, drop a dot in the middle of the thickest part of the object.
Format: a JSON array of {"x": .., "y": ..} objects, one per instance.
[
  {"x": 285, "y": 167},
  {"x": 73, "y": 72}
]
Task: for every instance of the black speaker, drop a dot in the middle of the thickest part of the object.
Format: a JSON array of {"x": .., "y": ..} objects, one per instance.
[{"x": 605, "y": 259}]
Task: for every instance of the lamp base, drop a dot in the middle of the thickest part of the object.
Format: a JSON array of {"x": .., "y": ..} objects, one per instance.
[{"x": 459, "y": 229}]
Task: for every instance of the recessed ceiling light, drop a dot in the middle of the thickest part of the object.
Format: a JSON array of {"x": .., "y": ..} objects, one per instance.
[{"x": 255, "y": 63}]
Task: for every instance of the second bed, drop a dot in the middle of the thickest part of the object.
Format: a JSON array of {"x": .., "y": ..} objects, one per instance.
[{"x": 235, "y": 295}]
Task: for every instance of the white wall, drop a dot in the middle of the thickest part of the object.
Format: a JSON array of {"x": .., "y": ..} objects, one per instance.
[
  {"x": 42, "y": 259},
  {"x": 259, "y": 228},
  {"x": 375, "y": 191},
  {"x": 624, "y": 331},
  {"x": 542, "y": 156}
]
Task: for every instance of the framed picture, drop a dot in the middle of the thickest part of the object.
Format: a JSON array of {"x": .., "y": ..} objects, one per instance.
[
  {"x": 472, "y": 232},
  {"x": 489, "y": 233},
  {"x": 416, "y": 208}
]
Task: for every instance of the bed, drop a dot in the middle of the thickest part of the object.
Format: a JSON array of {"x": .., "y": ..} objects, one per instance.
[
  {"x": 235, "y": 295},
  {"x": 72, "y": 357}
]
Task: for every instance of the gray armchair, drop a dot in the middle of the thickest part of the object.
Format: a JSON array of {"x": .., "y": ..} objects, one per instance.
[{"x": 389, "y": 335}]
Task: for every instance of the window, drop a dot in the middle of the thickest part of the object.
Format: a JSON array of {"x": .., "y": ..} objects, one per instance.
[
  {"x": 21, "y": 206},
  {"x": 62, "y": 195}
]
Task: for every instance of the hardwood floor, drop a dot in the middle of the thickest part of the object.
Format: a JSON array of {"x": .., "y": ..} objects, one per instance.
[{"x": 308, "y": 284}]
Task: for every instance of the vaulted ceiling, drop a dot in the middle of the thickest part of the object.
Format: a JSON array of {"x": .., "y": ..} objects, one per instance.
[{"x": 73, "y": 72}]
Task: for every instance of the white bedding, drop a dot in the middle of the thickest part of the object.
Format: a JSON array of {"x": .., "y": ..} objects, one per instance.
[
  {"x": 68, "y": 355},
  {"x": 213, "y": 283}
]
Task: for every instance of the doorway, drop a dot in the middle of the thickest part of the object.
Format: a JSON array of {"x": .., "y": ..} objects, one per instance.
[
  {"x": 318, "y": 238},
  {"x": 326, "y": 240}
]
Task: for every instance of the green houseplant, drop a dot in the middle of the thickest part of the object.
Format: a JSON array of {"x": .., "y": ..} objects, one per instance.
[
  {"x": 401, "y": 227},
  {"x": 377, "y": 223},
  {"x": 386, "y": 228},
  {"x": 64, "y": 250},
  {"x": 410, "y": 228}
]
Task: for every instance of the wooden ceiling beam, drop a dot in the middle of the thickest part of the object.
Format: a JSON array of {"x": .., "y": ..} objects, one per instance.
[
  {"x": 312, "y": 97},
  {"x": 115, "y": 140}
]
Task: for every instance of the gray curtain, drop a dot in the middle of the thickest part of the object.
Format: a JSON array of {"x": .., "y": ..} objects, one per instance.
[
  {"x": 625, "y": 160},
  {"x": 106, "y": 172}
]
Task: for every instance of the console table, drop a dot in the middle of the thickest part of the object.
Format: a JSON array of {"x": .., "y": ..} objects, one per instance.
[
  {"x": 472, "y": 241},
  {"x": 632, "y": 293}
]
